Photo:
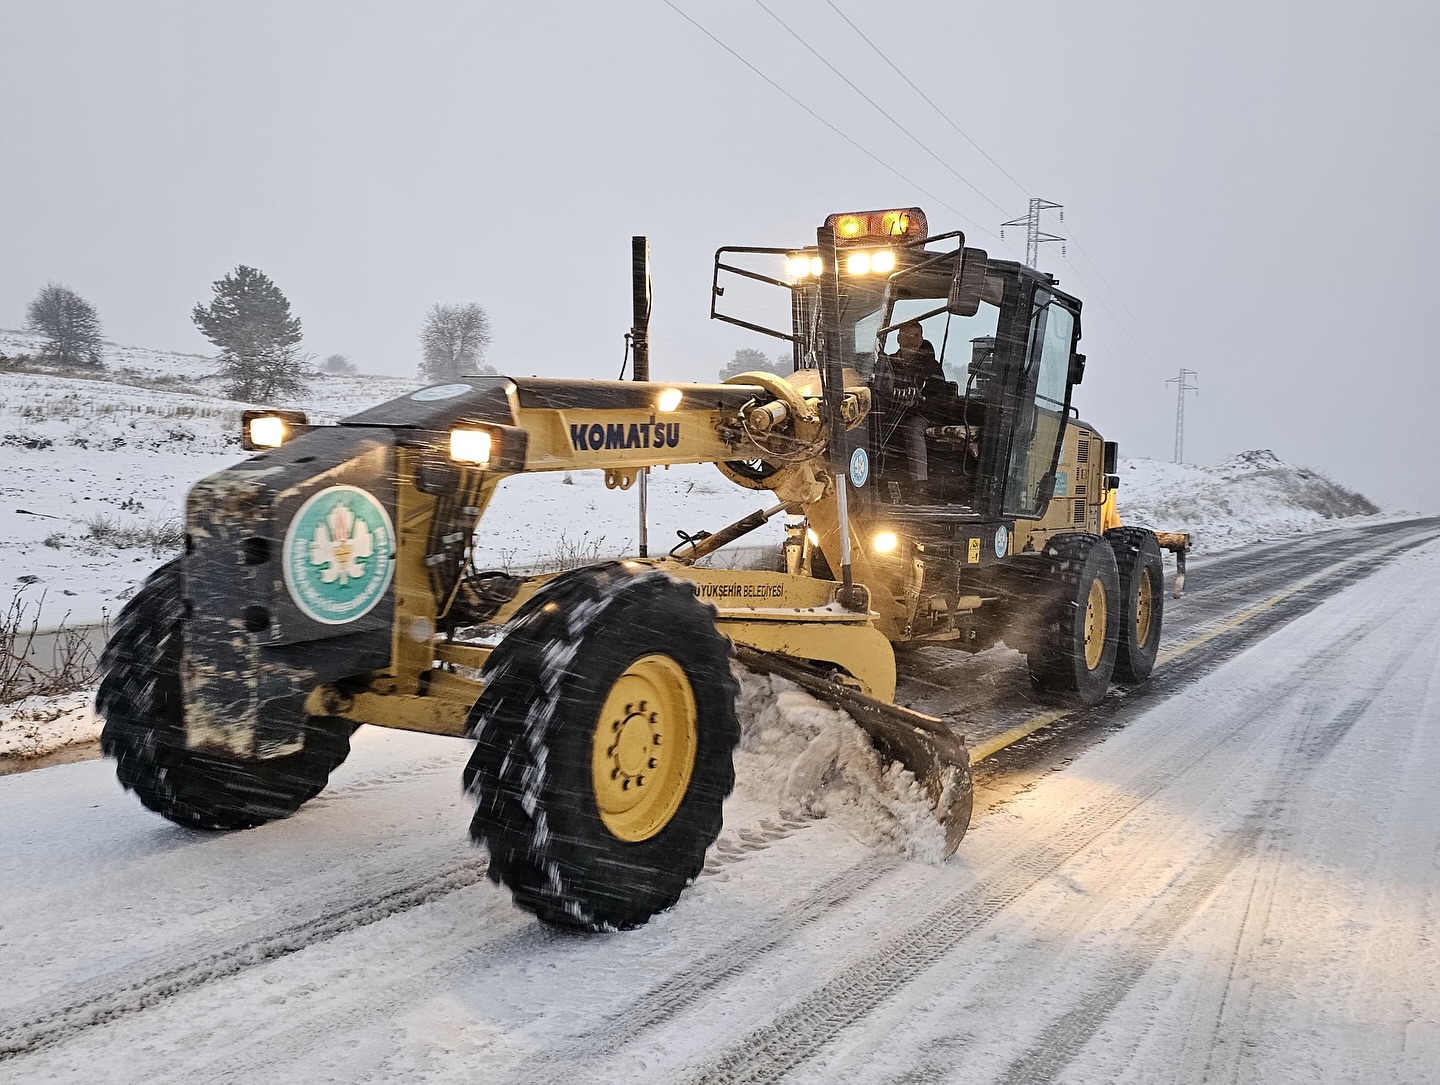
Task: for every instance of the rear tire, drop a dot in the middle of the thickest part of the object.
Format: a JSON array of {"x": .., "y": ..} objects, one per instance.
[
  {"x": 144, "y": 712},
  {"x": 1071, "y": 651},
  {"x": 592, "y": 673},
  {"x": 1142, "y": 601}
]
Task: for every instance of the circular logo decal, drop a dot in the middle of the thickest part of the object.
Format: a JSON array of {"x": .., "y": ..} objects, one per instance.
[
  {"x": 1002, "y": 541},
  {"x": 440, "y": 391},
  {"x": 338, "y": 555},
  {"x": 859, "y": 467}
]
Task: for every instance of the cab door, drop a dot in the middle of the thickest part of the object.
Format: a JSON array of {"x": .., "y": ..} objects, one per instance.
[{"x": 1045, "y": 400}]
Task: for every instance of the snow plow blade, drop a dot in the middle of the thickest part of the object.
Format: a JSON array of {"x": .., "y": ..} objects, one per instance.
[{"x": 924, "y": 745}]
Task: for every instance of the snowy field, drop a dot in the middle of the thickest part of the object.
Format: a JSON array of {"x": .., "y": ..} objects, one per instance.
[{"x": 96, "y": 472}]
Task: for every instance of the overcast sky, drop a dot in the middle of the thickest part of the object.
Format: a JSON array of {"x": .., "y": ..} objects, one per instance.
[{"x": 1249, "y": 185}]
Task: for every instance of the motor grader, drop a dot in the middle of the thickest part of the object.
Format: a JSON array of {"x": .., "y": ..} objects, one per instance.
[{"x": 330, "y": 580}]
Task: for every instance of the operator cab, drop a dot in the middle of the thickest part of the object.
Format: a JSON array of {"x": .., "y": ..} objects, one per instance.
[{"x": 973, "y": 436}]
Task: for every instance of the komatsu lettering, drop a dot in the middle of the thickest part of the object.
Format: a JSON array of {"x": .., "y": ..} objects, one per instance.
[{"x": 594, "y": 437}]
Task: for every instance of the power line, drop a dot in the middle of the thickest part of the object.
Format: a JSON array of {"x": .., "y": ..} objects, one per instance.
[
  {"x": 878, "y": 108},
  {"x": 839, "y": 132},
  {"x": 1031, "y": 251},
  {"x": 1121, "y": 324},
  {"x": 943, "y": 115},
  {"x": 1096, "y": 268}
]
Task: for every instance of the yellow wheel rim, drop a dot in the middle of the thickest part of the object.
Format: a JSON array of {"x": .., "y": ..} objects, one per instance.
[
  {"x": 644, "y": 748},
  {"x": 1095, "y": 615},
  {"x": 1144, "y": 610}
]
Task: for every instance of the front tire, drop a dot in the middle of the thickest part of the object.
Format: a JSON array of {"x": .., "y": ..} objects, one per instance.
[
  {"x": 1142, "y": 601},
  {"x": 141, "y": 702},
  {"x": 603, "y": 747}
]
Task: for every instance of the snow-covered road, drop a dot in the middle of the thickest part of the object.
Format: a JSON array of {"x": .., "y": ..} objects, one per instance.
[{"x": 1233, "y": 878}]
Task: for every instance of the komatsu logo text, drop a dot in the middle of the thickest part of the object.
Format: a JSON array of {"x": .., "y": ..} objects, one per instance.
[{"x": 595, "y": 437}]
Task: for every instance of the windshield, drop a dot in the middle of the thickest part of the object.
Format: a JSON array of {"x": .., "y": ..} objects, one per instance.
[{"x": 956, "y": 340}]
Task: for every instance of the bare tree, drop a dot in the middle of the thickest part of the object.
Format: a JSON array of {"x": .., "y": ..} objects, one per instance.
[
  {"x": 69, "y": 323},
  {"x": 338, "y": 365},
  {"x": 249, "y": 320},
  {"x": 453, "y": 341}
]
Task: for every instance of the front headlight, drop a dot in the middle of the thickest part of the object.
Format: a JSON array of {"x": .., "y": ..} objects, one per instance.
[
  {"x": 262, "y": 430},
  {"x": 470, "y": 446},
  {"x": 267, "y": 431}
]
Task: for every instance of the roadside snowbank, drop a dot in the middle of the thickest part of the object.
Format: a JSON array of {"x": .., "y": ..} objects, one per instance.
[{"x": 38, "y": 726}]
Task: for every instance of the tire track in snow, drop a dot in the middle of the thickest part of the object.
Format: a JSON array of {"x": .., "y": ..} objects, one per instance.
[
  {"x": 1065, "y": 1038},
  {"x": 694, "y": 978},
  {"x": 44, "y": 1027},
  {"x": 702, "y": 976},
  {"x": 1218, "y": 1038},
  {"x": 769, "y": 1052},
  {"x": 1306, "y": 748},
  {"x": 1068, "y": 1034}
]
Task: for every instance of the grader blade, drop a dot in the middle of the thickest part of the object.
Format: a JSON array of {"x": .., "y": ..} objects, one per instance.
[{"x": 934, "y": 754}]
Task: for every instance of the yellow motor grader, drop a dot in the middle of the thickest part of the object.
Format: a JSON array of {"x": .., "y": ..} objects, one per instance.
[{"x": 331, "y": 580}]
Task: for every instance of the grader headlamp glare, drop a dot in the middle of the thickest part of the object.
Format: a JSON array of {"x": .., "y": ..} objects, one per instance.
[
  {"x": 470, "y": 446},
  {"x": 264, "y": 430},
  {"x": 801, "y": 266}
]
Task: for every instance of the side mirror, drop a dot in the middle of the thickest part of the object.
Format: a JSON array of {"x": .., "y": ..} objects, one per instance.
[
  {"x": 967, "y": 287},
  {"x": 1046, "y": 491},
  {"x": 1112, "y": 457},
  {"x": 1077, "y": 368}
]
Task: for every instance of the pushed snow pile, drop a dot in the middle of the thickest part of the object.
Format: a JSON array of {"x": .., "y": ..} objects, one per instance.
[
  {"x": 1246, "y": 498},
  {"x": 812, "y": 760}
]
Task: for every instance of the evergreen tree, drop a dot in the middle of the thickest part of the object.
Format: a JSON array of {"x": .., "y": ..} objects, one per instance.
[
  {"x": 249, "y": 320},
  {"x": 453, "y": 340},
  {"x": 70, "y": 325},
  {"x": 750, "y": 360}
]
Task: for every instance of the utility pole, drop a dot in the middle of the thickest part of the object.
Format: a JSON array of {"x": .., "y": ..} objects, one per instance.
[
  {"x": 1034, "y": 236},
  {"x": 1182, "y": 386}
]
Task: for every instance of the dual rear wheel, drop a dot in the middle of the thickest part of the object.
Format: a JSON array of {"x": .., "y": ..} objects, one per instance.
[{"x": 1098, "y": 608}]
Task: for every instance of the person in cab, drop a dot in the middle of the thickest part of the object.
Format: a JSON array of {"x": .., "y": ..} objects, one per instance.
[{"x": 907, "y": 376}]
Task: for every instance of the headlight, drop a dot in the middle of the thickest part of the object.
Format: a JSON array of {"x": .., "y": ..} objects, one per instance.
[
  {"x": 885, "y": 542},
  {"x": 882, "y": 262},
  {"x": 470, "y": 446},
  {"x": 858, "y": 263},
  {"x": 669, "y": 399},
  {"x": 261, "y": 430},
  {"x": 267, "y": 431}
]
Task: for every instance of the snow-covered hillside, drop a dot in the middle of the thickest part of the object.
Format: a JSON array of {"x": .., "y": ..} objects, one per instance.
[
  {"x": 96, "y": 470},
  {"x": 1248, "y": 497}
]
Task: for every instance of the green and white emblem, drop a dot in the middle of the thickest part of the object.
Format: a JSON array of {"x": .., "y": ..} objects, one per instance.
[{"x": 339, "y": 555}]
